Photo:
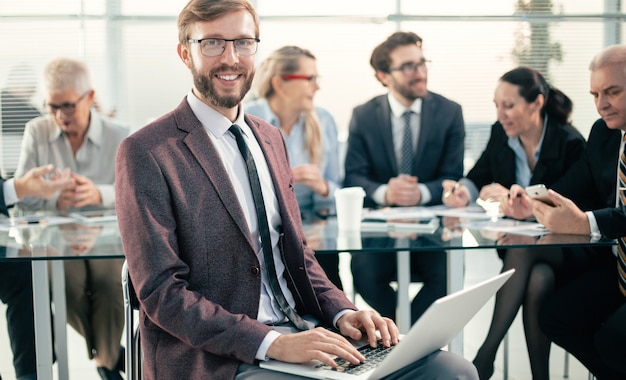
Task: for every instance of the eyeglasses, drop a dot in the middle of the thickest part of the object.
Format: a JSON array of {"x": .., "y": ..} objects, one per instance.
[
  {"x": 66, "y": 108},
  {"x": 310, "y": 78},
  {"x": 212, "y": 47},
  {"x": 410, "y": 68}
]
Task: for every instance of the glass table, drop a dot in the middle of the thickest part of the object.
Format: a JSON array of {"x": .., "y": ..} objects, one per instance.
[
  {"x": 45, "y": 243},
  {"x": 452, "y": 236}
]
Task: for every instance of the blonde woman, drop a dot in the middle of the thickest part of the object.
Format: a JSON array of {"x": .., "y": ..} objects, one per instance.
[{"x": 285, "y": 85}]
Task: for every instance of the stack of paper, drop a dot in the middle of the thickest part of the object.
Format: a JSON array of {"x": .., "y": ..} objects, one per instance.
[{"x": 402, "y": 219}]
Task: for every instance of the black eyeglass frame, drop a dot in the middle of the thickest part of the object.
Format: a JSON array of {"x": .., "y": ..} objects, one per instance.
[
  {"x": 410, "y": 68},
  {"x": 224, "y": 41},
  {"x": 66, "y": 108}
]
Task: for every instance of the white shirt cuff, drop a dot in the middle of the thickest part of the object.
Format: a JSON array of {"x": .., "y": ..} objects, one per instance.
[
  {"x": 426, "y": 196},
  {"x": 379, "y": 194},
  {"x": 341, "y": 314},
  {"x": 10, "y": 196},
  {"x": 593, "y": 225},
  {"x": 261, "y": 353}
]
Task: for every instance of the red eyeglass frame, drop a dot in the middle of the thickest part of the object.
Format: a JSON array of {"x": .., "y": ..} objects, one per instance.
[{"x": 310, "y": 78}]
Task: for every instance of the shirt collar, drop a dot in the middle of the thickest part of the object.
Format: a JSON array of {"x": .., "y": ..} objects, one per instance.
[
  {"x": 398, "y": 109},
  {"x": 94, "y": 129}
]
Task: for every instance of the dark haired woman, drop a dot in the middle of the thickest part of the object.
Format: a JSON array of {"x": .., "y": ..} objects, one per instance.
[{"x": 533, "y": 142}]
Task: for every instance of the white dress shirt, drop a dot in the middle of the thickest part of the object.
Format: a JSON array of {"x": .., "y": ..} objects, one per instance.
[{"x": 397, "y": 126}]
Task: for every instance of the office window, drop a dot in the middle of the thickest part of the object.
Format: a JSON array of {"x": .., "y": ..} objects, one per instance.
[{"x": 130, "y": 47}]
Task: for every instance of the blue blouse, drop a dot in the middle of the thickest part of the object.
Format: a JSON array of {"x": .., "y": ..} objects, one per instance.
[{"x": 299, "y": 155}]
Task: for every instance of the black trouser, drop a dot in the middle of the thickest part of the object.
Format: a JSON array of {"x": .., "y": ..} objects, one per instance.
[
  {"x": 16, "y": 291},
  {"x": 372, "y": 273},
  {"x": 587, "y": 318}
]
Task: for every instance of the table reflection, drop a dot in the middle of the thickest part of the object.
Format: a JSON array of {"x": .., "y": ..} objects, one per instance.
[{"x": 324, "y": 237}]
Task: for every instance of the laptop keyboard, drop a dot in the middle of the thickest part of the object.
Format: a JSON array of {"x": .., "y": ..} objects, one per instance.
[{"x": 373, "y": 357}]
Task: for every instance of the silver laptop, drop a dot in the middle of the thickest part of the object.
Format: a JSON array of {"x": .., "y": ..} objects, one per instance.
[{"x": 441, "y": 322}]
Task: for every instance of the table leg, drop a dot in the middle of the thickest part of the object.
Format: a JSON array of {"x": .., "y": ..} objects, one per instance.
[
  {"x": 60, "y": 317},
  {"x": 456, "y": 266},
  {"x": 404, "y": 303},
  {"x": 43, "y": 331}
]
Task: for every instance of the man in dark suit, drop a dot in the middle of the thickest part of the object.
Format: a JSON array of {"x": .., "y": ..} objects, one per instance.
[
  {"x": 196, "y": 241},
  {"x": 400, "y": 148},
  {"x": 587, "y": 316},
  {"x": 16, "y": 288}
]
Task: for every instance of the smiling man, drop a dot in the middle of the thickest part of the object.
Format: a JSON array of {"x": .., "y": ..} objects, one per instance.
[
  {"x": 212, "y": 233},
  {"x": 401, "y": 146}
]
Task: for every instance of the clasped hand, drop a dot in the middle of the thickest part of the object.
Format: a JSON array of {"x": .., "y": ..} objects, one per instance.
[
  {"x": 403, "y": 191},
  {"x": 324, "y": 345},
  {"x": 83, "y": 193}
]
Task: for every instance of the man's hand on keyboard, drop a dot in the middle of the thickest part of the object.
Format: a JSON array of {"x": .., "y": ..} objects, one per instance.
[
  {"x": 369, "y": 322},
  {"x": 317, "y": 344}
]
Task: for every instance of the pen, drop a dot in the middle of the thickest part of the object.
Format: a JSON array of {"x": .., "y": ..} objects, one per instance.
[
  {"x": 32, "y": 221},
  {"x": 451, "y": 191}
]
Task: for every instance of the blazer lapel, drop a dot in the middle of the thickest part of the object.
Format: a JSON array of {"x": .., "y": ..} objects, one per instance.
[
  {"x": 383, "y": 123},
  {"x": 205, "y": 153},
  {"x": 427, "y": 127},
  {"x": 266, "y": 142},
  {"x": 547, "y": 154}
]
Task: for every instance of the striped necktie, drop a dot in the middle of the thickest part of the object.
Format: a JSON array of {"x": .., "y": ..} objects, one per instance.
[
  {"x": 406, "y": 165},
  {"x": 621, "y": 247}
]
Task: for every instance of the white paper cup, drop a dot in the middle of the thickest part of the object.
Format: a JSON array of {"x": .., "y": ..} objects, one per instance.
[{"x": 349, "y": 205}]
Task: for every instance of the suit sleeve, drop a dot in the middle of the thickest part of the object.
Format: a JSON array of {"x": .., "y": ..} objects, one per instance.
[
  {"x": 3, "y": 207},
  {"x": 611, "y": 221},
  {"x": 451, "y": 158},
  {"x": 358, "y": 170}
]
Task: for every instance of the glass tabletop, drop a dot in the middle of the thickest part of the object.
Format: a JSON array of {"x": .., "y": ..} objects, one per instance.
[
  {"x": 59, "y": 236},
  {"x": 65, "y": 237},
  {"x": 324, "y": 236}
]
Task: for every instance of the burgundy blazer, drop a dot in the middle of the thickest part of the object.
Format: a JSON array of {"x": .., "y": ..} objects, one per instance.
[{"x": 190, "y": 254}]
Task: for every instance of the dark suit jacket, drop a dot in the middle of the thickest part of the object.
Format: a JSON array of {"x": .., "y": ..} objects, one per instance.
[
  {"x": 370, "y": 159},
  {"x": 190, "y": 253},
  {"x": 562, "y": 146},
  {"x": 592, "y": 181},
  {"x": 3, "y": 207}
]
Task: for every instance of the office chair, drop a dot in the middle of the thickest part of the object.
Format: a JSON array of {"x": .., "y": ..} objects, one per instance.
[{"x": 134, "y": 355}]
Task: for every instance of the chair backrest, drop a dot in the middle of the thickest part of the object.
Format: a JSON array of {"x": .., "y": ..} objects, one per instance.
[
  {"x": 129, "y": 291},
  {"x": 133, "y": 343}
]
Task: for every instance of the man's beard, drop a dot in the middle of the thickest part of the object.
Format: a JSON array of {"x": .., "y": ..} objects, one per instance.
[
  {"x": 204, "y": 85},
  {"x": 408, "y": 93}
]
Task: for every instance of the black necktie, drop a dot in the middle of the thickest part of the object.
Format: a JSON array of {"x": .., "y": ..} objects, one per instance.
[
  {"x": 264, "y": 230},
  {"x": 621, "y": 242},
  {"x": 406, "y": 166}
]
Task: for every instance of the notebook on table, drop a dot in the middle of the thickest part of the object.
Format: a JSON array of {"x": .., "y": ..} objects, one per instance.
[{"x": 439, "y": 324}]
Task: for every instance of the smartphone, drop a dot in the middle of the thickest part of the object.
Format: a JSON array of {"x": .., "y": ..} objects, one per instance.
[{"x": 540, "y": 193}]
